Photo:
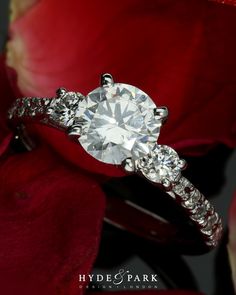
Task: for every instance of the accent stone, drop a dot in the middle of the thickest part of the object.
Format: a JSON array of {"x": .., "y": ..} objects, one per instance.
[
  {"x": 161, "y": 164},
  {"x": 62, "y": 110}
]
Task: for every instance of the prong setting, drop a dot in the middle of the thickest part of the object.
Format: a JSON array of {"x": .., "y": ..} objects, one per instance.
[
  {"x": 167, "y": 184},
  {"x": 161, "y": 113},
  {"x": 106, "y": 79},
  {"x": 74, "y": 131},
  {"x": 60, "y": 92},
  {"x": 182, "y": 164},
  {"x": 128, "y": 165}
]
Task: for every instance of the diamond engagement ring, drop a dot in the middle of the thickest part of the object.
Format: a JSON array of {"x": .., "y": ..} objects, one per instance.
[{"x": 119, "y": 124}]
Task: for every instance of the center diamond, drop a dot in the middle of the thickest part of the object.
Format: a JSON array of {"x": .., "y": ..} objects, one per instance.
[{"x": 118, "y": 122}]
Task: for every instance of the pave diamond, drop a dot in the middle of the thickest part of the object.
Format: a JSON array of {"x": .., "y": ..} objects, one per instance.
[
  {"x": 161, "y": 164},
  {"x": 192, "y": 201},
  {"x": 200, "y": 210},
  {"x": 211, "y": 222},
  {"x": 118, "y": 122},
  {"x": 62, "y": 110}
]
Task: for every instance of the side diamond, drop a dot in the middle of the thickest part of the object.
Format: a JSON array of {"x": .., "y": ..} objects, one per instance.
[
  {"x": 160, "y": 165},
  {"x": 62, "y": 110}
]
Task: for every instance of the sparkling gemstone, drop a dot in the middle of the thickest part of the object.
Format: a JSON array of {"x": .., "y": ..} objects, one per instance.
[
  {"x": 21, "y": 111},
  {"x": 161, "y": 164},
  {"x": 193, "y": 199},
  {"x": 200, "y": 210},
  {"x": 211, "y": 222},
  {"x": 63, "y": 109},
  {"x": 117, "y": 122},
  {"x": 183, "y": 188}
]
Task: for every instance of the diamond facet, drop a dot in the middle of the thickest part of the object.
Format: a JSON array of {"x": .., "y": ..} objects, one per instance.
[{"x": 118, "y": 122}]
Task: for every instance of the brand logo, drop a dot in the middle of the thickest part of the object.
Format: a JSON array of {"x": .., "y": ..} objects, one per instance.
[{"x": 123, "y": 279}]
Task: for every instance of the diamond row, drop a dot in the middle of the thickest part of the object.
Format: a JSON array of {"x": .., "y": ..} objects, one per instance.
[
  {"x": 28, "y": 107},
  {"x": 199, "y": 209}
]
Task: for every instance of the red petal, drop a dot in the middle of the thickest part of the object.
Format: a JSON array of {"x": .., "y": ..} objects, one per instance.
[
  {"x": 50, "y": 224},
  {"x": 181, "y": 52},
  {"x": 227, "y": 2}
]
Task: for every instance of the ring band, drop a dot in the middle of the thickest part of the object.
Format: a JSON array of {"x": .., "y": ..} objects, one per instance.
[{"x": 119, "y": 124}]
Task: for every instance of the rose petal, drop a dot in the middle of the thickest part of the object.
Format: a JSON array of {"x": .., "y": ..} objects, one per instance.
[
  {"x": 50, "y": 224},
  {"x": 227, "y": 2},
  {"x": 18, "y": 8},
  {"x": 181, "y": 52}
]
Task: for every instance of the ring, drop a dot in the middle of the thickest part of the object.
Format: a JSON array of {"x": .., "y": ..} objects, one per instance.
[{"x": 119, "y": 124}]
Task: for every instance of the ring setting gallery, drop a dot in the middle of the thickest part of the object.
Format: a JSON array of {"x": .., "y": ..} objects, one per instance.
[{"x": 119, "y": 124}]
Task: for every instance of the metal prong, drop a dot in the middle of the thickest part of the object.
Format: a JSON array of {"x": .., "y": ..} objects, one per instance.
[
  {"x": 182, "y": 164},
  {"x": 167, "y": 184},
  {"x": 60, "y": 91},
  {"x": 161, "y": 113},
  {"x": 107, "y": 79},
  {"x": 74, "y": 132},
  {"x": 128, "y": 165}
]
